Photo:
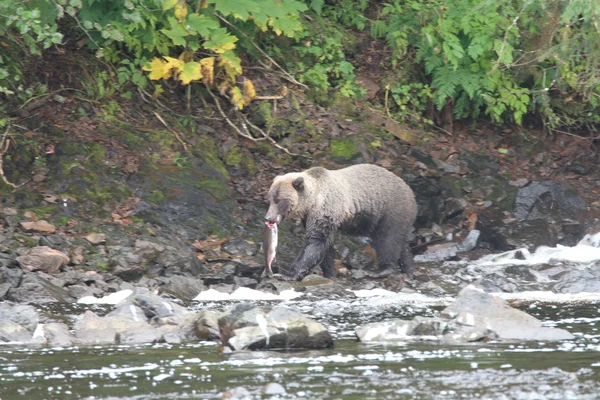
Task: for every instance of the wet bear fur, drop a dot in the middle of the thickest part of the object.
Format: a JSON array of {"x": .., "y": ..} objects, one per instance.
[{"x": 362, "y": 199}]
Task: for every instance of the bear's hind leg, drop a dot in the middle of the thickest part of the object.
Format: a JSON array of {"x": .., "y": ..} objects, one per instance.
[
  {"x": 388, "y": 243},
  {"x": 328, "y": 263}
]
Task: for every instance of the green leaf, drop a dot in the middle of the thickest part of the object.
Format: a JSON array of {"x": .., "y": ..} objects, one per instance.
[
  {"x": 177, "y": 33},
  {"x": 502, "y": 151},
  {"x": 202, "y": 24},
  {"x": 168, "y": 4},
  {"x": 220, "y": 41},
  {"x": 240, "y": 9}
]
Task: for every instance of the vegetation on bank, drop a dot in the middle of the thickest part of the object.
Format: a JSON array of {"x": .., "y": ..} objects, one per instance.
[{"x": 462, "y": 59}]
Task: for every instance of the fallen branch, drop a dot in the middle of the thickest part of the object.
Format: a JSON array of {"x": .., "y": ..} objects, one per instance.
[
  {"x": 246, "y": 134},
  {"x": 173, "y": 131},
  {"x": 4, "y": 145},
  {"x": 269, "y": 138}
]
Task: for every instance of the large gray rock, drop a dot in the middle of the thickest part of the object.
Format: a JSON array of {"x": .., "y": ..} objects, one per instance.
[
  {"x": 55, "y": 334},
  {"x": 475, "y": 308},
  {"x": 10, "y": 331},
  {"x": 207, "y": 325},
  {"x": 155, "y": 306},
  {"x": 36, "y": 288},
  {"x": 183, "y": 287},
  {"x": 24, "y": 315},
  {"x": 248, "y": 327},
  {"x": 178, "y": 328},
  {"x": 474, "y": 316},
  {"x": 93, "y": 329},
  {"x": 547, "y": 199}
]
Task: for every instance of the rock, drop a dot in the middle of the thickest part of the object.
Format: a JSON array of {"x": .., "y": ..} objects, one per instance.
[
  {"x": 10, "y": 331},
  {"x": 43, "y": 258},
  {"x": 474, "y": 316},
  {"x": 473, "y": 307},
  {"x": 273, "y": 389},
  {"x": 128, "y": 311},
  {"x": 238, "y": 393},
  {"x": 4, "y": 289},
  {"x": 445, "y": 251},
  {"x": 96, "y": 238},
  {"x": 207, "y": 325},
  {"x": 248, "y": 327},
  {"x": 92, "y": 329},
  {"x": 77, "y": 255},
  {"x": 578, "y": 281},
  {"x": 178, "y": 328},
  {"x": 242, "y": 281},
  {"x": 184, "y": 288},
  {"x": 41, "y": 226},
  {"x": 7, "y": 261},
  {"x": 21, "y": 314},
  {"x": 55, "y": 334},
  {"x": 12, "y": 275},
  {"x": 240, "y": 247},
  {"x": 547, "y": 199},
  {"x": 328, "y": 291},
  {"x": 9, "y": 212},
  {"x": 130, "y": 274},
  {"x": 36, "y": 289},
  {"x": 55, "y": 241},
  {"x": 155, "y": 306}
]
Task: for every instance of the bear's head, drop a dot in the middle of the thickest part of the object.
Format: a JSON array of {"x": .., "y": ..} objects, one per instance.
[{"x": 287, "y": 197}]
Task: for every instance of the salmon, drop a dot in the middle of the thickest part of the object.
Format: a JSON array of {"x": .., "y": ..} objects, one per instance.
[{"x": 270, "y": 245}]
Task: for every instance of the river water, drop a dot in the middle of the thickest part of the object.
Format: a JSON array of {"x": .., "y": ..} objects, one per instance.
[{"x": 351, "y": 370}]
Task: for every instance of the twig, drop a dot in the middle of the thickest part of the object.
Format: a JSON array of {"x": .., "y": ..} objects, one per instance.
[
  {"x": 173, "y": 131},
  {"x": 4, "y": 145},
  {"x": 270, "y": 139},
  {"x": 287, "y": 74},
  {"x": 234, "y": 126}
]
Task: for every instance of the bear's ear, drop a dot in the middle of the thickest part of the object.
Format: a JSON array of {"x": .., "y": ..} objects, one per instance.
[{"x": 298, "y": 184}]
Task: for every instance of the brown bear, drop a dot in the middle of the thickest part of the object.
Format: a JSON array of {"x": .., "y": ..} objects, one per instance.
[{"x": 363, "y": 199}]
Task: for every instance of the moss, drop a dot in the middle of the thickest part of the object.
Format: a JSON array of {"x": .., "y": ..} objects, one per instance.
[
  {"x": 207, "y": 151},
  {"x": 156, "y": 197},
  {"x": 102, "y": 266},
  {"x": 234, "y": 156},
  {"x": 162, "y": 138},
  {"x": 345, "y": 148},
  {"x": 44, "y": 210},
  {"x": 132, "y": 140},
  {"x": 27, "y": 241},
  {"x": 217, "y": 188}
]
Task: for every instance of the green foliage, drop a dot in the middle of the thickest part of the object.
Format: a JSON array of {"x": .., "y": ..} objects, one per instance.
[
  {"x": 322, "y": 62},
  {"x": 410, "y": 102},
  {"x": 501, "y": 58}
]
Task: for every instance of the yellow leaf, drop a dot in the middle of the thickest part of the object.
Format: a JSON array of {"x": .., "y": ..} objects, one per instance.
[
  {"x": 174, "y": 63},
  {"x": 191, "y": 72},
  {"x": 181, "y": 11},
  {"x": 207, "y": 66},
  {"x": 237, "y": 98},
  {"x": 249, "y": 91},
  {"x": 159, "y": 69}
]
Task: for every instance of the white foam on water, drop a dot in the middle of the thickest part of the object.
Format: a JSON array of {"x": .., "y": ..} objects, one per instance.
[
  {"x": 373, "y": 292},
  {"x": 585, "y": 252},
  {"x": 113, "y": 298},
  {"x": 244, "y": 293},
  {"x": 550, "y": 297}
]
